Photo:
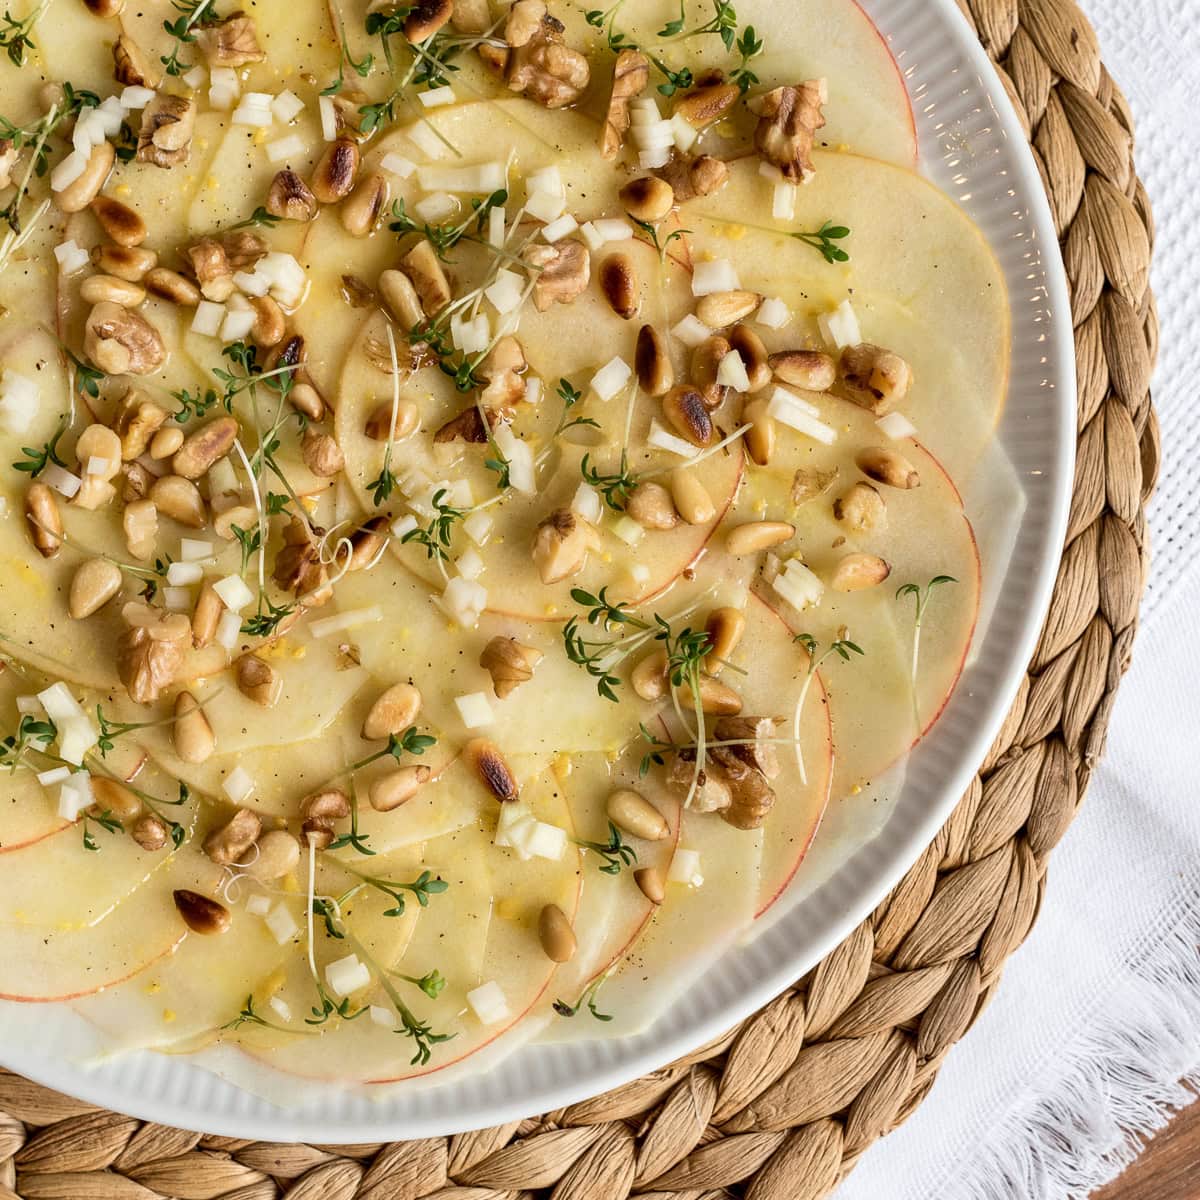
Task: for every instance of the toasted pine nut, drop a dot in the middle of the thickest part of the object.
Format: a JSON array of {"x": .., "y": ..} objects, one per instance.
[
  {"x": 114, "y": 797},
  {"x": 651, "y": 506},
  {"x": 753, "y": 354},
  {"x": 191, "y": 733},
  {"x": 687, "y": 414},
  {"x": 226, "y": 844},
  {"x": 652, "y": 882},
  {"x": 201, "y": 914},
  {"x": 206, "y": 616},
  {"x": 44, "y": 520},
  {"x": 857, "y": 572},
  {"x": 362, "y": 207},
  {"x": 758, "y": 535},
  {"x": 165, "y": 442},
  {"x": 95, "y": 582},
  {"x": 269, "y": 324},
  {"x": 808, "y": 369},
  {"x": 706, "y": 362},
  {"x": 725, "y": 627},
  {"x": 649, "y": 676},
  {"x": 861, "y": 508},
  {"x": 619, "y": 283},
  {"x": 125, "y": 262},
  {"x": 393, "y": 712},
  {"x": 276, "y": 854},
  {"x": 305, "y": 398},
  {"x": 722, "y": 309},
  {"x": 715, "y": 697},
  {"x": 333, "y": 177},
  {"x": 401, "y": 298},
  {"x": 489, "y": 764},
  {"x": 888, "y": 466},
  {"x": 691, "y": 497},
  {"x": 98, "y": 288},
  {"x": 140, "y": 524},
  {"x": 408, "y": 420},
  {"x": 78, "y": 194},
  {"x": 397, "y": 787},
  {"x": 556, "y": 935},
  {"x": 760, "y": 438},
  {"x": 655, "y": 371},
  {"x": 203, "y": 447},
  {"x": 648, "y": 199},
  {"x": 170, "y": 285},
  {"x": 179, "y": 499},
  {"x": 119, "y": 221},
  {"x": 633, "y": 813}
]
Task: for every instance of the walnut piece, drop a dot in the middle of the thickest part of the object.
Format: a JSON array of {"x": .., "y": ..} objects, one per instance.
[
  {"x": 150, "y": 651},
  {"x": 467, "y": 426},
  {"x": 565, "y": 269},
  {"x": 788, "y": 119},
  {"x": 509, "y": 663},
  {"x": 166, "y": 134},
  {"x": 712, "y": 792},
  {"x": 539, "y": 65},
  {"x": 875, "y": 378},
  {"x": 631, "y": 74},
  {"x": 122, "y": 342},
  {"x": 560, "y": 545},
  {"x": 502, "y": 372},
  {"x": 692, "y": 177},
  {"x": 757, "y": 734},
  {"x": 210, "y": 265},
  {"x": 751, "y": 797},
  {"x": 291, "y": 198},
  {"x": 298, "y": 566},
  {"x": 231, "y": 43}
]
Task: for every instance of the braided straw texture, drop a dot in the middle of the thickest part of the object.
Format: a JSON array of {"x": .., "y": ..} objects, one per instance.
[{"x": 782, "y": 1107}]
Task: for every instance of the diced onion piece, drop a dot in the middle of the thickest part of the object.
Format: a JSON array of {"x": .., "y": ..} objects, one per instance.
[
  {"x": 282, "y": 924},
  {"x": 19, "y": 401},
  {"x": 238, "y": 785},
  {"x": 60, "y": 704},
  {"x": 786, "y": 397},
  {"x": 896, "y": 426},
  {"x": 234, "y": 593},
  {"x": 587, "y": 504},
  {"x": 68, "y": 170},
  {"x": 513, "y": 828},
  {"x": 475, "y": 710},
  {"x": 545, "y": 206},
  {"x": 547, "y": 181},
  {"x": 639, "y": 573},
  {"x": 402, "y": 526},
  {"x": 478, "y": 527},
  {"x": 258, "y": 906},
  {"x": 685, "y": 868},
  {"x": 520, "y": 459},
  {"x": 437, "y": 97},
  {"x": 53, "y": 776},
  {"x": 423, "y": 136},
  {"x": 229, "y": 629},
  {"x": 613, "y": 229},
  {"x": 591, "y": 236},
  {"x": 731, "y": 372},
  {"x": 798, "y": 585},
  {"x": 184, "y": 574},
  {"x": 471, "y": 337},
  {"x": 207, "y": 318},
  {"x": 392, "y": 163},
  {"x": 546, "y": 841},
  {"x": 651, "y": 160},
  {"x": 76, "y": 738},
  {"x": 663, "y": 439},
  {"x": 328, "y": 111},
  {"x": 252, "y": 115},
  {"x": 61, "y": 480},
  {"x": 497, "y": 227},
  {"x": 507, "y": 292},
  {"x": 258, "y": 99},
  {"x": 533, "y": 390},
  {"x": 654, "y": 137},
  {"x": 489, "y": 1003},
  {"x": 783, "y": 201},
  {"x": 469, "y": 563},
  {"x": 720, "y": 275},
  {"x": 135, "y": 98},
  {"x": 75, "y": 795},
  {"x": 88, "y": 131},
  {"x": 773, "y": 313},
  {"x": 480, "y": 177},
  {"x": 97, "y": 466},
  {"x": 281, "y": 1008},
  {"x": 226, "y": 77},
  {"x": 347, "y": 975},
  {"x": 253, "y": 283},
  {"x": 194, "y": 550},
  {"x": 29, "y": 704},
  {"x": 71, "y": 257},
  {"x": 284, "y": 148},
  {"x": 237, "y": 325},
  {"x": 692, "y": 331},
  {"x": 381, "y": 1016},
  {"x": 194, "y": 79},
  {"x": 685, "y": 133},
  {"x": 177, "y": 599},
  {"x": 436, "y": 207},
  {"x": 221, "y": 97},
  {"x": 557, "y": 230},
  {"x": 287, "y": 106},
  {"x": 611, "y": 378},
  {"x": 459, "y": 493},
  {"x": 840, "y": 327},
  {"x": 628, "y": 530},
  {"x": 463, "y": 600},
  {"x": 347, "y": 620},
  {"x": 784, "y": 407}
]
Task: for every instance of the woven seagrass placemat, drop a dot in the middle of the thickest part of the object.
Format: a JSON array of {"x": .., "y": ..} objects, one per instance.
[{"x": 781, "y": 1107}]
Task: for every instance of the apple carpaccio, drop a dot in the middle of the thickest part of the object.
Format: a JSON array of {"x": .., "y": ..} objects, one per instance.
[{"x": 478, "y": 481}]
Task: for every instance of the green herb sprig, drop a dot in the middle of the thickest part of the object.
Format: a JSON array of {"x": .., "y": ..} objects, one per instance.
[
  {"x": 15, "y": 37},
  {"x": 37, "y": 459},
  {"x": 921, "y": 598},
  {"x": 106, "y": 821},
  {"x": 191, "y": 14},
  {"x": 445, "y": 236},
  {"x": 437, "y": 535},
  {"x": 616, "y": 852},
  {"x": 589, "y": 998},
  {"x": 825, "y": 240}
]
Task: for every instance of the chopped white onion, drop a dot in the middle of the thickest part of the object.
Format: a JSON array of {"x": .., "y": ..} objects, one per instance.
[
  {"x": 587, "y": 503},
  {"x": 613, "y": 229},
  {"x": 685, "y": 133},
  {"x": 177, "y": 599},
  {"x": 258, "y": 99},
  {"x": 394, "y": 164},
  {"x": 720, "y": 275},
  {"x": 71, "y": 257},
  {"x": 287, "y": 106},
  {"x": 783, "y": 201},
  {"x": 651, "y": 160},
  {"x": 475, "y": 710},
  {"x": 463, "y": 601},
  {"x": 347, "y": 620},
  {"x": 194, "y": 79},
  {"x": 68, "y": 170},
  {"x": 280, "y": 150},
  {"x": 184, "y": 574},
  {"x": 731, "y": 372},
  {"x": 662, "y": 439},
  {"x": 773, "y": 313},
  {"x": 75, "y": 795},
  {"x": 194, "y": 550},
  {"x": 328, "y": 111},
  {"x": 97, "y": 466},
  {"x": 770, "y": 171},
  {"x": 29, "y": 704},
  {"x": 507, "y": 292},
  {"x": 53, "y": 776},
  {"x": 489, "y": 1003},
  {"x": 479, "y": 177},
  {"x": 460, "y": 493},
  {"x": 437, "y": 97},
  {"x": 423, "y": 136},
  {"x": 546, "y": 841},
  {"x": 639, "y": 573},
  {"x": 471, "y": 337},
  {"x": 545, "y": 206},
  {"x": 520, "y": 459},
  {"x": 282, "y": 924},
  {"x": 611, "y": 378},
  {"x": 237, "y": 325},
  {"x": 233, "y": 592},
  {"x": 221, "y": 97},
  {"x": 655, "y": 137},
  {"x": 402, "y": 526},
  {"x": 436, "y": 208},
  {"x": 258, "y": 906},
  {"x": 61, "y": 480},
  {"x": 591, "y": 236},
  {"x": 557, "y": 230},
  {"x": 347, "y": 975},
  {"x": 628, "y": 530},
  {"x": 840, "y": 327},
  {"x": 798, "y": 585},
  {"x": 238, "y": 785},
  {"x": 207, "y": 318},
  {"x": 685, "y": 868},
  {"x": 797, "y": 400},
  {"x": 252, "y": 115},
  {"x": 478, "y": 527},
  {"x": 896, "y": 426},
  {"x": 381, "y": 1016},
  {"x": 784, "y": 407},
  {"x": 547, "y": 181},
  {"x": 692, "y": 331},
  {"x": 229, "y": 629},
  {"x": 469, "y": 563},
  {"x": 533, "y": 390},
  {"x": 19, "y": 401},
  {"x": 497, "y": 227}
]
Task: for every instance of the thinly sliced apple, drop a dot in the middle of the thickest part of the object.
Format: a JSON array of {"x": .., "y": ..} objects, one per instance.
[{"x": 921, "y": 277}]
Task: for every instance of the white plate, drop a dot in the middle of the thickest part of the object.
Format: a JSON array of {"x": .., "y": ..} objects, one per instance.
[{"x": 973, "y": 147}]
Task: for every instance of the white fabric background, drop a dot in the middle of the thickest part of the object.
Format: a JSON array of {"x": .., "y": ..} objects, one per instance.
[{"x": 1098, "y": 1016}]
